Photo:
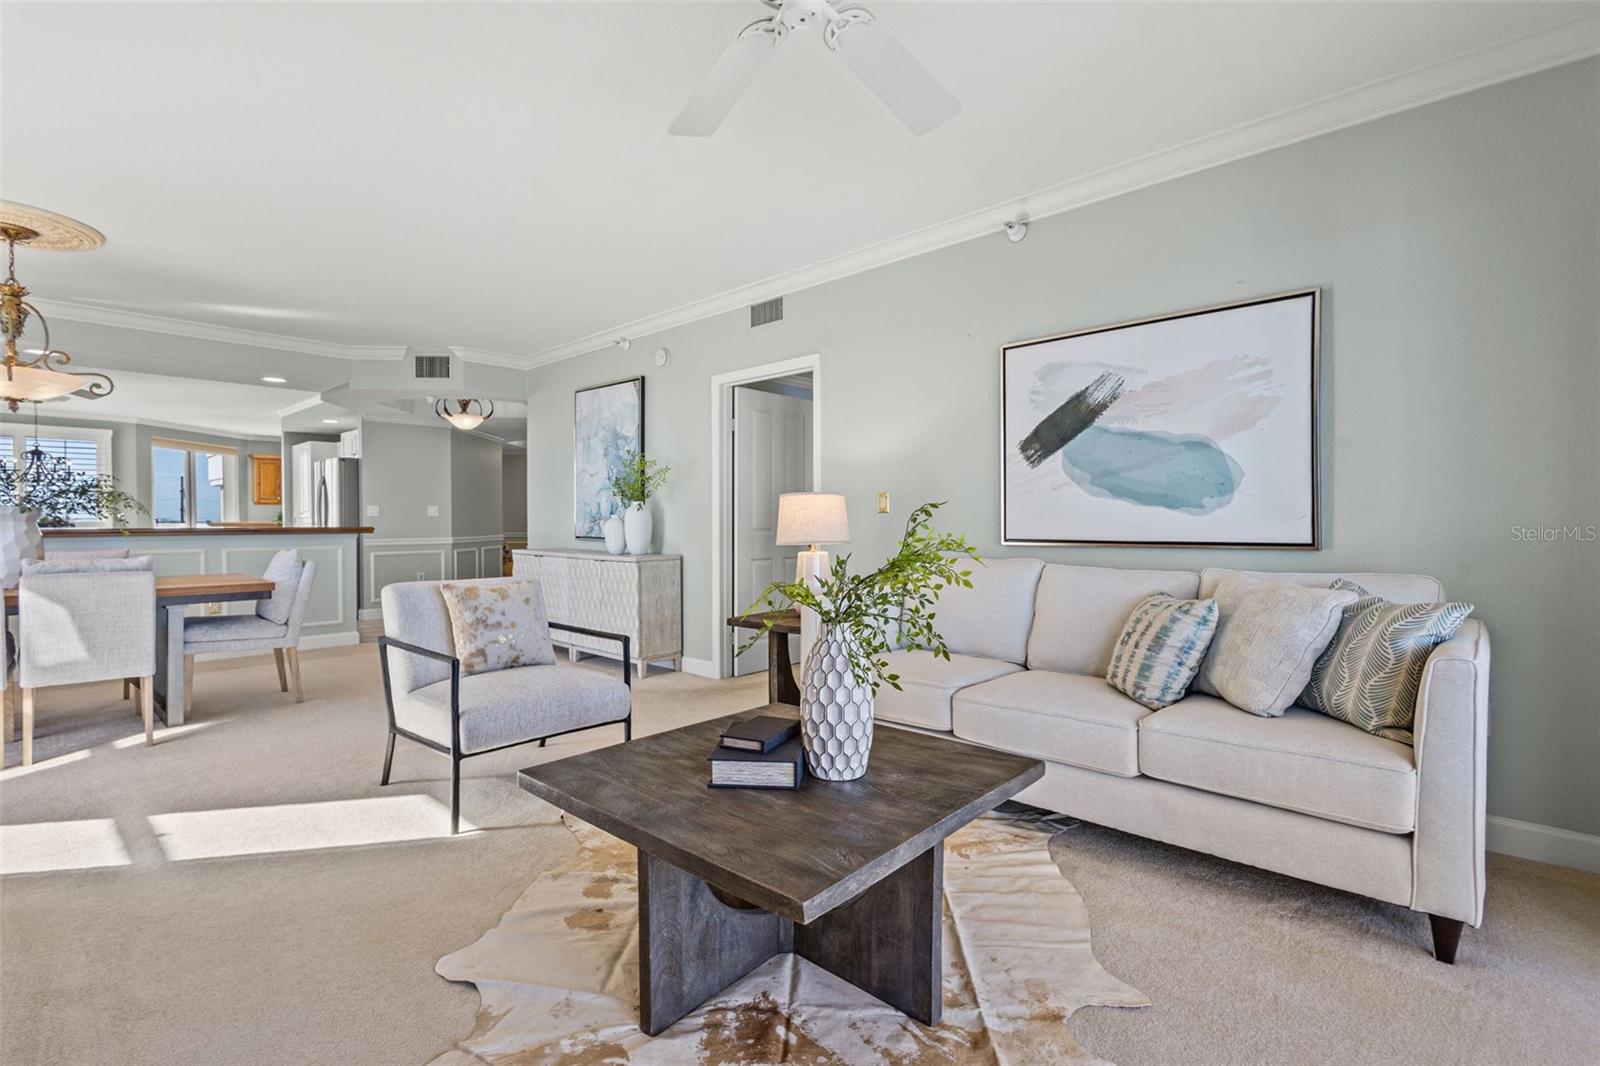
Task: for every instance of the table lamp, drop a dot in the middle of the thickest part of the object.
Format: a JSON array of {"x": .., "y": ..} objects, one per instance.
[{"x": 812, "y": 519}]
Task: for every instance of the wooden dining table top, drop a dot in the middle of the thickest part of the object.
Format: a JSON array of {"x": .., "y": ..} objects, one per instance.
[{"x": 175, "y": 589}]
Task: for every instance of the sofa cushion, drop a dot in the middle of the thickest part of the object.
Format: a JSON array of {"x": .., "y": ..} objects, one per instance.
[
  {"x": 991, "y": 619},
  {"x": 927, "y": 684},
  {"x": 1303, "y": 761},
  {"x": 510, "y": 706},
  {"x": 1066, "y": 718},
  {"x": 1080, "y": 610},
  {"x": 1269, "y": 634},
  {"x": 1396, "y": 588}
]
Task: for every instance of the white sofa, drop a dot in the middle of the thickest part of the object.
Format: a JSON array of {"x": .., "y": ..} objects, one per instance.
[{"x": 1305, "y": 794}]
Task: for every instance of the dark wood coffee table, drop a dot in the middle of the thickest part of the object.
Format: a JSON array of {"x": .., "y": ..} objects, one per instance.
[{"x": 849, "y": 875}]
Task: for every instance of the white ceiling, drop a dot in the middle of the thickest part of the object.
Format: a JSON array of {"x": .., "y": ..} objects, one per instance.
[
  {"x": 499, "y": 177},
  {"x": 218, "y": 406}
]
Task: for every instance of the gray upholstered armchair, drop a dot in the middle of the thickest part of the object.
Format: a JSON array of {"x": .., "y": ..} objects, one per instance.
[
  {"x": 430, "y": 701},
  {"x": 79, "y": 627}
]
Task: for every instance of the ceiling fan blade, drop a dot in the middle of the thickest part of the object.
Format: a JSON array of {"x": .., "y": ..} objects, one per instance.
[
  {"x": 894, "y": 75},
  {"x": 728, "y": 79}
]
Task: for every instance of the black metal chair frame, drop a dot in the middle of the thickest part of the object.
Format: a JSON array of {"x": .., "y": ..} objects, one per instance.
[{"x": 454, "y": 749}]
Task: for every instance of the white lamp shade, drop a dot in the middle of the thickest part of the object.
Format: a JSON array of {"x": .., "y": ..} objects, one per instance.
[{"x": 812, "y": 518}]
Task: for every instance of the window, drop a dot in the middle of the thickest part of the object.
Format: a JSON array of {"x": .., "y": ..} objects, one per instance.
[
  {"x": 87, "y": 450},
  {"x": 192, "y": 483}
]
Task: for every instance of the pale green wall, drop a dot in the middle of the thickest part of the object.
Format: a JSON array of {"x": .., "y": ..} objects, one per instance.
[
  {"x": 514, "y": 493},
  {"x": 1458, "y": 246},
  {"x": 475, "y": 488},
  {"x": 405, "y": 469}
]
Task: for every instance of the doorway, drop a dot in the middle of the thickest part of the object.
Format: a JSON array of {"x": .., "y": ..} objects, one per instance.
[{"x": 766, "y": 444}]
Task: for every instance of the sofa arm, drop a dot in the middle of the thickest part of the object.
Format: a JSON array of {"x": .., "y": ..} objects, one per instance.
[{"x": 1451, "y": 732}]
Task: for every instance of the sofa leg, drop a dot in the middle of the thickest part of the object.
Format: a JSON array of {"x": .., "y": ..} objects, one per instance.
[
  {"x": 388, "y": 760},
  {"x": 455, "y": 795},
  {"x": 627, "y": 729},
  {"x": 542, "y": 740},
  {"x": 1446, "y": 937}
]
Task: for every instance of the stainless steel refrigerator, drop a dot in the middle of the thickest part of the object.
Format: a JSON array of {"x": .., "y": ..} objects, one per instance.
[{"x": 338, "y": 495}]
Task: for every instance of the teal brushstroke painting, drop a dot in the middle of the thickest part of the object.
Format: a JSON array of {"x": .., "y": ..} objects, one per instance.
[{"x": 1186, "y": 472}]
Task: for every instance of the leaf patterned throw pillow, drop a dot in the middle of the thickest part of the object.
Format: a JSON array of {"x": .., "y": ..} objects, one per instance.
[
  {"x": 498, "y": 626},
  {"x": 1370, "y": 673}
]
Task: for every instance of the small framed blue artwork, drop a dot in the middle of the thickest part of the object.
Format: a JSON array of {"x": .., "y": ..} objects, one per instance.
[
  {"x": 607, "y": 423},
  {"x": 1192, "y": 429}
]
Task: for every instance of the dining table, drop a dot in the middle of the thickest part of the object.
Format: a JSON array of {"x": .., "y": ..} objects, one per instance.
[{"x": 175, "y": 593}]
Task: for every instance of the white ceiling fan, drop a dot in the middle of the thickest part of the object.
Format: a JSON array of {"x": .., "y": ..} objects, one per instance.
[{"x": 859, "y": 38}]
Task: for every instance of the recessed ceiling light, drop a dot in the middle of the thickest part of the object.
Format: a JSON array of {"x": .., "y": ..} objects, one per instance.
[
  {"x": 276, "y": 381},
  {"x": 330, "y": 421}
]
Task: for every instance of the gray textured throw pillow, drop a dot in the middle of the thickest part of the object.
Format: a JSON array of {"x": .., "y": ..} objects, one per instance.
[
  {"x": 1269, "y": 635},
  {"x": 1370, "y": 673}
]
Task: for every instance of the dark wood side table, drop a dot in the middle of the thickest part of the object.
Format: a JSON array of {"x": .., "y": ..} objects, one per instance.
[
  {"x": 847, "y": 874},
  {"x": 781, "y": 685}
]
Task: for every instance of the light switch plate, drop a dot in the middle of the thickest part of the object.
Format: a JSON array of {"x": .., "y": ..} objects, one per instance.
[
  {"x": 433, "y": 510},
  {"x": 372, "y": 510}
]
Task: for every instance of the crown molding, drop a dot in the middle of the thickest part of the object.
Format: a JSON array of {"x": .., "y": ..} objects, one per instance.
[
  {"x": 1564, "y": 43},
  {"x": 301, "y": 405},
  {"x": 180, "y": 327},
  {"x": 478, "y": 355}
]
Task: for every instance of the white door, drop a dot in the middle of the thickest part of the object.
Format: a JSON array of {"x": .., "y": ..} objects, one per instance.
[{"x": 771, "y": 456}]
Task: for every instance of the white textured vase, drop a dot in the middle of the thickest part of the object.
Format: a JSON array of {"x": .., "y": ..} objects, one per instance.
[
  {"x": 637, "y": 527},
  {"x": 19, "y": 539},
  {"x": 835, "y": 712},
  {"x": 616, "y": 538}
]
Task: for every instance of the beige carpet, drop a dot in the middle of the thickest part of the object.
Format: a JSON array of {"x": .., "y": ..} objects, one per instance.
[
  {"x": 245, "y": 893},
  {"x": 559, "y": 975}
]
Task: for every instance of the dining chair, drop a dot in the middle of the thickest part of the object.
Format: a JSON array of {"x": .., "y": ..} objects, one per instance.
[
  {"x": 251, "y": 632},
  {"x": 78, "y": 627}
]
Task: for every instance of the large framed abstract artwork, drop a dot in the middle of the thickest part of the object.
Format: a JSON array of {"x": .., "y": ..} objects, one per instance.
[
  {"x": 608, "y": 422},
  {"x": 1197, "y": 428}
]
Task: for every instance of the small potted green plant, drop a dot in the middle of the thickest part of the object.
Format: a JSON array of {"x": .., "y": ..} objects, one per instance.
[
  {"x": 864, "y": 617},
  {"x": 636, "y": 480},
  {"x": 44, "y": 491}
]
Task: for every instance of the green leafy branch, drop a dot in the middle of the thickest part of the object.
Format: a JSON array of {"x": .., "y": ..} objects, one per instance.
[
  {"x": 638, "y": 479},
  {"x": 889, "y": 607}
]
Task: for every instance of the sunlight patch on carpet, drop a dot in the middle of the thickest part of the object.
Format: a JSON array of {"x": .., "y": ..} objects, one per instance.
[
  {"x": 36, "y": 847},
  {"x": 558, "y": 978},
  {"x": 282, "y": 827}
]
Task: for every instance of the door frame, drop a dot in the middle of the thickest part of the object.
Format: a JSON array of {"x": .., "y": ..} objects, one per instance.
[{"x": 722, "y": 480}]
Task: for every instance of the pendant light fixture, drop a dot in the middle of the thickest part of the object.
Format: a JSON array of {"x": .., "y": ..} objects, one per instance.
[
  {"x": 41, "y": 377},
  {"x": 467, "y": 414}
]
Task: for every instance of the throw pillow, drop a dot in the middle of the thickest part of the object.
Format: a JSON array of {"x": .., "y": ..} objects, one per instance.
[
  {"x": 498, "y": 626},
  {"x": 1370, "y": 674},
  {"x": 1161, "y": 647},
  {"x": 1269, "y": 635},
  {"x": 284, "y": 569},
  {"x": 61, "y": 565}
]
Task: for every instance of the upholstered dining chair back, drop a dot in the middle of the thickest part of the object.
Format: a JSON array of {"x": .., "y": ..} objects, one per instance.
[
  {"x": 79, "y": 627},
  {"x": 302, "y": 597}
]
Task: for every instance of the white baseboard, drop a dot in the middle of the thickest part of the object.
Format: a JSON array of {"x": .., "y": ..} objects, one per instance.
[
  {"x": 1544, "y": 843},
  {"x": 370, "y": 614},
  {"x": 700, "y": 667},
  {"x": 312, "y": 643}
]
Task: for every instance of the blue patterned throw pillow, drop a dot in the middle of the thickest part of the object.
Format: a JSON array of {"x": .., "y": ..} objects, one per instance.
[
  {"x": 1161, "y": 647},
  {"x": 1370, "y": 673}
]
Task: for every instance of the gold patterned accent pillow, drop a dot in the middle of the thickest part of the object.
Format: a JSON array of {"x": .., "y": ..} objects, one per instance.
[{"x": 498, "y": 626}]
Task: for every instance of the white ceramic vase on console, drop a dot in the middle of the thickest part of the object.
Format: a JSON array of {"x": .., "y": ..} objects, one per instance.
[
  {"x": 638, "y": 527},
  {"x": 616, "y": 536},
  {"x": 19, "y": 539},
  {"x": 835, "y": 711}
]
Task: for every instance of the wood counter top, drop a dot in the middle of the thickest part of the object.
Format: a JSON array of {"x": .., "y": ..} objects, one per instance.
[{"x": 203, "y": 531}]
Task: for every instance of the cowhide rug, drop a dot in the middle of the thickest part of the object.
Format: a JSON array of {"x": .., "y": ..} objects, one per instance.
[{"x": 558, "y": 977}]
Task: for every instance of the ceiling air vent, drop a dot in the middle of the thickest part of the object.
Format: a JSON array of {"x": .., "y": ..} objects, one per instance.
[
  {"x": 432, "y": 366},
  {"x": 766, "y": 312}
]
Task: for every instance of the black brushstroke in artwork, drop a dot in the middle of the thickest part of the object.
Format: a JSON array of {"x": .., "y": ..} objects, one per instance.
[{"x": 1074, "y": 416}]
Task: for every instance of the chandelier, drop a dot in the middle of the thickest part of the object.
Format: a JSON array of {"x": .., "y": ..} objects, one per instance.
[
  {"x": 36, "y": 374},
  {"x": 468, "y": 414}
]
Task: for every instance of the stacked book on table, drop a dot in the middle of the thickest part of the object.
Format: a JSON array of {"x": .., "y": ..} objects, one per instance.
[{"x": 760, "y": 752}]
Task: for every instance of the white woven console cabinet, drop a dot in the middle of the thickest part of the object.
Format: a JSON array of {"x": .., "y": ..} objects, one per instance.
[{"x": 637, "y": 595}]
